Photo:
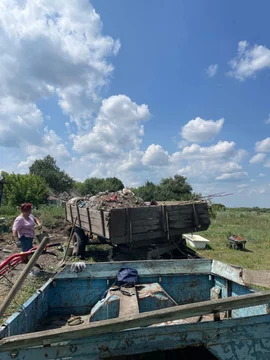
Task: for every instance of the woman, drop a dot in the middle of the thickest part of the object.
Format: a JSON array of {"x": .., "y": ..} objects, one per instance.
[{"x": 24, "y": 227}]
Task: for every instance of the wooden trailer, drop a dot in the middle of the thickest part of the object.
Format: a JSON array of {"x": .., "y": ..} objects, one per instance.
[{"x": 141, "y": 227}]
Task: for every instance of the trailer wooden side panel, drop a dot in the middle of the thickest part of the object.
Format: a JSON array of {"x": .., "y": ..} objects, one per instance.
[{"x": 131, "y": 225}]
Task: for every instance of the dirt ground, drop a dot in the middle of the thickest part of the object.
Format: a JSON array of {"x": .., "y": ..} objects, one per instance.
[{"x": 48, "y": 262}]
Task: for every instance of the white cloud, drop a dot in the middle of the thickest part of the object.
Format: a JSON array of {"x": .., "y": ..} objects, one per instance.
[
  {"x": 230, "y": 167},
  {"x": 117, "y": 128},
  {"x": 155, "y": 155},
  {"x": 232, "y": 176},
  {"x": 249, "y": 60},
  {"x": 212, "y": 70},
  {"x": 199, "y": 130},
  {"x": 186, "y": 171},
  {"x": 258, "y": 158},
  {"x": 242, "y": 186},
  {"x": 29, "y": 161},
  {"x": 261, "y": 175},
  {"x": 19, "y": 122},
  {"x": 263, "y": 146},
  {"x": 268, "y": 120},
  {"x": 239, "y": 155},
  {"x": 221, "y": 150},
  {"x": 49, "y": 48},
  {"x": 267, "y": 164},
  {"x": 51, "y": 144}
]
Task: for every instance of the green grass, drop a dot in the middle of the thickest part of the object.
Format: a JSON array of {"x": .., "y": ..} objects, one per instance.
[
  {"x": 6, "y": 210},
  {"x": 50, "y": 216},
  {"x": 253, "y": 226},
  {"x": 29, "y": 287}
]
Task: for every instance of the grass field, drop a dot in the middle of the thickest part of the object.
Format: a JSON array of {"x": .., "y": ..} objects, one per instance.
[{"x": 254, "y": 226}]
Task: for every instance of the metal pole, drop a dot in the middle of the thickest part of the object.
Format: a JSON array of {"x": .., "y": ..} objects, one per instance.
[{"x": 23, "y": 276}]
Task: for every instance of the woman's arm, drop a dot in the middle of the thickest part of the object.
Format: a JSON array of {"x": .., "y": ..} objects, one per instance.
[
  {"x": 17, "y": 225},
  {"x": 15, "y": 234},
  {"x": 36, "y": 221}
]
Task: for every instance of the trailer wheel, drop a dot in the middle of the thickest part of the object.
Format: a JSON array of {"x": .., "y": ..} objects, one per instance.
[{"x": 79, "y": 240}]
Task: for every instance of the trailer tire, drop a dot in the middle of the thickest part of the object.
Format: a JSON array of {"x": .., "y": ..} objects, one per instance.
[{"x": 79, "y": 240}]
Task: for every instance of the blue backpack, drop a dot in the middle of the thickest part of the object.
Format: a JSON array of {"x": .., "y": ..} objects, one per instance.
[{"x": 127, "y": 277}]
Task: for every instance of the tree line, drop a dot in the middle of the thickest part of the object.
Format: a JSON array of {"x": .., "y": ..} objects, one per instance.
[{"x": 44, "y": 174}]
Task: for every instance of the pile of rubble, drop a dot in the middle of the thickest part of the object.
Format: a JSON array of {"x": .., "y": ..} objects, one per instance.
[{"x": 109, "y": 200}]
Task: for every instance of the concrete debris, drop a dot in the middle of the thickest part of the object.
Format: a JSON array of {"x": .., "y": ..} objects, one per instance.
[{"x": 109, "y": 200}]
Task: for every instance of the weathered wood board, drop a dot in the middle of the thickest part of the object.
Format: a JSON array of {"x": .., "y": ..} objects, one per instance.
[{"x": 131, "y": 225}]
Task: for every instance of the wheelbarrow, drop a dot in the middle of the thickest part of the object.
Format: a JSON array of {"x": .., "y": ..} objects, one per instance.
[{"x": 236, "y": 242}]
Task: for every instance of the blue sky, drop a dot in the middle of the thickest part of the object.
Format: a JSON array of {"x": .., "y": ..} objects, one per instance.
[{"x": 139, "y": 90}]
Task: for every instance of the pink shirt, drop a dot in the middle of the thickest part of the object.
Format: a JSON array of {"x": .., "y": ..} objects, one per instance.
[{"x": 25, "y": 227}]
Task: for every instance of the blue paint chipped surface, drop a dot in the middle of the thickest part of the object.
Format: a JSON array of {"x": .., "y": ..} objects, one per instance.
[{"x": 246, "y": 336}]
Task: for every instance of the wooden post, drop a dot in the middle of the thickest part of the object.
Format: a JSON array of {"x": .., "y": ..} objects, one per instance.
[
  {"x": 102, "y": 223},
  {"x": 89, "y": 220},
  {"x": 78, "y": 216},
  {"x": 23, "y": 276}
]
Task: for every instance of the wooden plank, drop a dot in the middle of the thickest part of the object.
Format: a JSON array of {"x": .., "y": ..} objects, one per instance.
[
  {"x": 78, "y": 215},
  {"x": 153, "y": 235},
  {"x": 144, "y": 212},
  {"x": 117, "y": 223},
  {"x": 102, "y": 223},
  {"x": 128, "y": 304},
  {"x": 256, "y": 277},
  {"x": 89, "y": 220},
  {"x": 129, "y": 322},
  {"x": 229, "y": 272},
  {"x": 85, "y": 218}
]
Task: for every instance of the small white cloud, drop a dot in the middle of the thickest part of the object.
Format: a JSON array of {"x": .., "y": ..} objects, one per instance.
[
  {"x": 230, "y": 167},
  {"x": 26, "y": 164},
  {"x": 268, "y": 120},
  {"x": 263, "y": 146},
  {"x": 232, "y": 176},
  {"x": 258, "y": 158},
  {"x": 249, "y": 60},
  {"x": 267, "y": 164},
  {"x": 261, "y": 175},
  {"x": 242, "y": 186},
  {"x": 212, "y": 70},
  {"x": 200, "y": 130},
  {"x": 155, "y": 155},
  {"x": 221, "y": 150},
  {"x": 186, "y": 171}
]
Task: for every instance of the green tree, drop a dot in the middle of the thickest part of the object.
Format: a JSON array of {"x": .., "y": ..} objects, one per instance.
[
  {"x": 47, "y": 169},
  {"x": 79, "y": 186},
  {"x": 113, "y": 184},
  {"x": 147, "y": 192},
  {"x": 95, "y": 185},
  {"x": 176, "y": 188},
  {"x": 24, "y": 188}
]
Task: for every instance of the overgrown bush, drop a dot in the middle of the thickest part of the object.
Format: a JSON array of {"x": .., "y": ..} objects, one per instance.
[
  {"x": 7, "y": 210},
  {"x": 50, "y": 216}
]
